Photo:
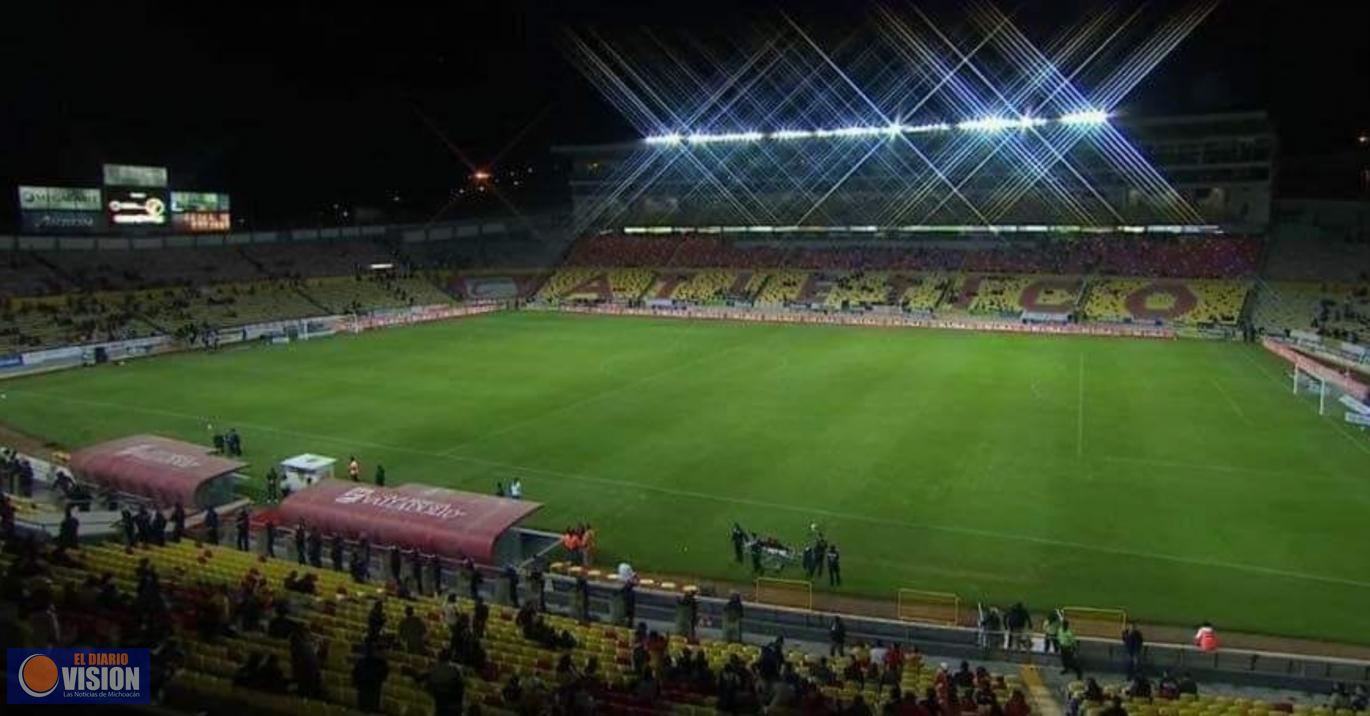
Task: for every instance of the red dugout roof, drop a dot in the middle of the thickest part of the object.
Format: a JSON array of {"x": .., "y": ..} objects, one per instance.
[
  {"x": 431, "y": 519},
  {"x": 163, "y": 470}
]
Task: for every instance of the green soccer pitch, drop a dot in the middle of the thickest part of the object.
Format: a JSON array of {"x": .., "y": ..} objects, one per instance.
[{"x": 1180, "y": 480}]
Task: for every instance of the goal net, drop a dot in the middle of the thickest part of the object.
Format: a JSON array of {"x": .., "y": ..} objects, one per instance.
[{"x": 1331, "y": 395}]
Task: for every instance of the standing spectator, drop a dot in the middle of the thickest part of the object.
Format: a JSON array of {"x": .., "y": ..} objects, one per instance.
[
  {"x": 445, "y": 685},
  {"x": 242, "y": 523},
  {"x": 1051, "y": 628},
  {"x": 587, "y": 545},
  {"x": 516, "y": 489},
  {"x": 67, "y": 533},
  {"x": 473, "y": 579},
  {"x": 233, "y": 443},
  {"x": 178, "y": 522},
  {"x": 834, "y": 566},
  {"x": 416, "y": 570},
  {"x": 480, "y": 614},
  {"x": 435, "y": 573},
  {"x": 1132, "y": 648},
  {"x": 158, "y": 528},
  {"x": 143, "y": 522},
  {"x": 396, "y": 563},
  {"x": 1018, "y": 620},
  {"x": 411, "y": 632},
  {"x": 837, "y": 637},
  {"x": 687, "y": 616},
  {"x": 301, "y": 536},
  {"x": 581, "y": 600},
  {"x": 316, "y": 547},
  {"x": 335, "y": 552},
  {"x": 511, "y": 582},
  {"x": 354, "y": 469},
  {"x": 7, "y": 517},
  {"x": 1069, "y": 647},
  {"x": 739, "y": 540},
  {"x": 537, "y": 583},
  {"x": 273, "y": 486},
  {"x": 380, "y": 475},
  {"x": 368, "y": 675},
  {"x": 126, "y": 525},
  {"x": 211, "y": 525},
  {"x": 732, "y": 619},
  {"x": 755, "y": 548},
  {"x": 271, "y": 539},
  {"x": 499, "y": 489},
  {"x": 304, "y": 664}
]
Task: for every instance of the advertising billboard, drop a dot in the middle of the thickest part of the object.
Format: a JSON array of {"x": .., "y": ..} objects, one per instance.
[
  {"x": 62, "y": 222},
  {"x": 57, "y": 198},
  {"x": 202, "y": 221},
  {"x": 132, "y": 175},
  {"x": 189, "y": 202},
  {"x": 136, "y": 207}
]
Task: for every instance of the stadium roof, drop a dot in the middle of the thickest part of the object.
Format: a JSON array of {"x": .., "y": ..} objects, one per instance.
[
  {"x": 163, "y": 470},
  {"x": 430, "y": 519}
]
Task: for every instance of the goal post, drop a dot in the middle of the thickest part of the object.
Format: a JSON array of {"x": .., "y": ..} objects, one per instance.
[
  {"x": 916, "y": 605},
  {"x": 794, "y": 593},
  {"x": 1096, "y": 622},
  {"x": 1307, "y": 382}
]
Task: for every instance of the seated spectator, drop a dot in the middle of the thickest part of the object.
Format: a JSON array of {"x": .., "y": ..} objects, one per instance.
[{"x": 1017, "y": 705}]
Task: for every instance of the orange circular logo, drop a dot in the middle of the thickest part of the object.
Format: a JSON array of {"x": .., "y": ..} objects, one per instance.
[{"x": 38, "y": 675}]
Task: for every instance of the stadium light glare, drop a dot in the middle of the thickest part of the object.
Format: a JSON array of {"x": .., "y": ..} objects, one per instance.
[
  {"x": 673, "y": 138},
  {"x": 893, "y": 129},
  {"x": 1087, "y": 117},
  {"x": 986, "y": 124},
  {"x": 726, "y": 137}
]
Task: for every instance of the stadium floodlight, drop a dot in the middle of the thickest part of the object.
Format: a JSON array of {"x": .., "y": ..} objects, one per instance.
[
  {"x": 726, "y": 137},
  {"x": 1087, "y": 117},
  {"x": 925, "y": 128},
  {"x": 673, "y": 138},
  {"x": 986, "y": 124},
  {"x": 791, "y": 134}
]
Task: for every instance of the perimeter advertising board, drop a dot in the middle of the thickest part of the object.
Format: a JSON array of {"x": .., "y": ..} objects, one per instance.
[
  {"x": 60, "y": 210},
  {"x": 200, "y": 211}
]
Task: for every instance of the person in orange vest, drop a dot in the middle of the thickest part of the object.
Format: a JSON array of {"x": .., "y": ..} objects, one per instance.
[
  {"x": 1206, "y": 638},
  {"x": 354, "y": 469},
  {"x": 587, "y": 545},
  {"x": 571, "y": 541}
]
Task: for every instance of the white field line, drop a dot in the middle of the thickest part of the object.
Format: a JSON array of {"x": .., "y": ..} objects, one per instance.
[
  {"x": 1080, "y": 413},
  {"x": 1230, "y": 402},
  {"x": 747, "y": 502}
]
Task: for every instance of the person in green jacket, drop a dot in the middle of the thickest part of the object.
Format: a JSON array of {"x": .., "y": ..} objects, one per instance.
[{"x": 1069, "y": 646}]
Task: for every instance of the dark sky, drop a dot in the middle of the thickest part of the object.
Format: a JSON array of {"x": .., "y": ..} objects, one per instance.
[{"x": 291, "y": 107}]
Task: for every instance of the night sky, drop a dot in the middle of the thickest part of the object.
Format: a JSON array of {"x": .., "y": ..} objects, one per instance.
[{"x": 292, "y": 108}]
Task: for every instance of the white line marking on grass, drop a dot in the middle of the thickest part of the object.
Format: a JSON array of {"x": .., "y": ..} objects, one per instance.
[
  {"x": 747, "y": 502},
  {"x": 1080, "y": 413},
  {"x": 1231, "y": 403}
]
